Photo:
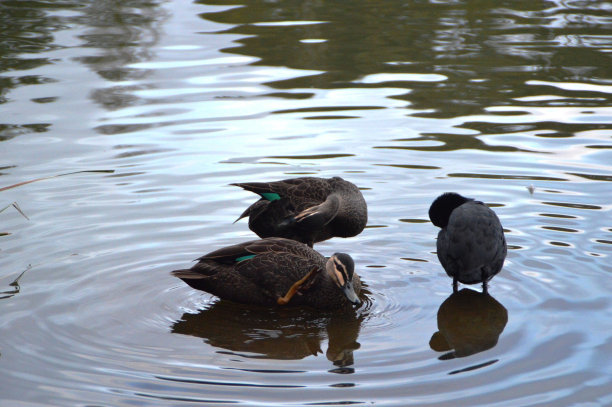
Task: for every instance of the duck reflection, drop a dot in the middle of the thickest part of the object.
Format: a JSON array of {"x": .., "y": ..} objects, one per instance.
[
  {"x": 469, "y": 322},
  {"x": 276, "y": 333}
]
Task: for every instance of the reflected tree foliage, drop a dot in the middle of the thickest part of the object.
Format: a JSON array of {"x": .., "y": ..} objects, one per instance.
[
  {"x": 486, "y": 49},
  {"x": 274, "y": 333},
  {"x": 26, "y": 28},
  {"x": 485, "y": 53},
  {"x": 469, "y": 322},
  {"x": 26, "y": 32},
  {"x": 121, "y": 32},
  {"x": 489, "y": 54}
]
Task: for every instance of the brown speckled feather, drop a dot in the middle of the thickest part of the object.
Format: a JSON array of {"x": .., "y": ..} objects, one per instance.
[
  {"x": 276, "y": 264},
  {"x": 306, "y": 209}
]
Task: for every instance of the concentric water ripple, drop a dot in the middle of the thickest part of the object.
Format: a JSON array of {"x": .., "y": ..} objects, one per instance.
[{"x": 154, "y": 109}]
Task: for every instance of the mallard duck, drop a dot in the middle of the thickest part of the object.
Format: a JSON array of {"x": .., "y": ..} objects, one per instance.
[
  {"x": 276, "y": 271},
  {"x": 471, "y": 245},
  {"x": 306, "y": 209}
]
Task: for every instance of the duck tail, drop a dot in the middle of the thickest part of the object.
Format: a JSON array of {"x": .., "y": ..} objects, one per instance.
[
  {"x": 187, "y": 274},
  {"x": 256, "y": 187},
  {"x": 268, "y": 191},
  {"x": 193, "y": 279}
]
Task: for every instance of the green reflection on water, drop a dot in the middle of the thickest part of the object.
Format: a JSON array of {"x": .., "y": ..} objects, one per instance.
[{"x": 475, "y": 44}]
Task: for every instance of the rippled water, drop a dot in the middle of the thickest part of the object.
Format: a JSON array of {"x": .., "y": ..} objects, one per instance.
[{"x": 158, "y": 106}]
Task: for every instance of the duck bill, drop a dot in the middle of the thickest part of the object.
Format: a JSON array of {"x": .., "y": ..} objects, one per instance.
[{"x": 350, "y": 294}]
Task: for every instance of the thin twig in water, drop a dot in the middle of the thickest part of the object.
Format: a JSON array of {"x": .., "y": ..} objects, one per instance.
[
  {"x": 52, "y": 176},
  {"x": 15, "y": 284},
  {"x": 14, "y": 205},
  {"x": 19, "y": 210}
]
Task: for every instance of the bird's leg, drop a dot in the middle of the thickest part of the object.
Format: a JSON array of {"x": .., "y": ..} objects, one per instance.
[
  {"x": 455, "y": 284},
  {"x": 297, "y": 285},
  {"x": 484, "y": 282}
]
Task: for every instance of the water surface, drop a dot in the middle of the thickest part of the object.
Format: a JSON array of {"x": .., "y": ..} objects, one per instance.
[{"x": 158, "y": 106}]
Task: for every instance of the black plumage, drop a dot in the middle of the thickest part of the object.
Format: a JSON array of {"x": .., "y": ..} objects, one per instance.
[
  {"x": 306, "y": 209},
  {"x": 471, "y": 244},
  {"x": 264, "y": 271}
]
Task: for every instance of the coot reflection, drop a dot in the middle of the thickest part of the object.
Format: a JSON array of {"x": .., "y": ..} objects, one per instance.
[{"x": 469, "y": 322}]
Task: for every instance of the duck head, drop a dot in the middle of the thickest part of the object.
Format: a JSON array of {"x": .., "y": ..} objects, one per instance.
[{"x": 340, "y": 268}]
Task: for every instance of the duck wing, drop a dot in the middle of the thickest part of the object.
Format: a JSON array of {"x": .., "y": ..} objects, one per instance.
[
  {"x": 278, "y": 264},
  {"x": 217, "y": 273},
  {"x": 220, "y": 261},
  {"x": 230, "y": 254},
  {"x": 302, "y": 192}
]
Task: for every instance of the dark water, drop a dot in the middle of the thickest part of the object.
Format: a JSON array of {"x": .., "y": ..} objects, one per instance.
[{"x": 171, "y": 101}]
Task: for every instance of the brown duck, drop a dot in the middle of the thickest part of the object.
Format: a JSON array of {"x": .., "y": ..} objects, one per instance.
[
  {"x": 276, "y": 271},
  {"x": 306, "y": 209}
]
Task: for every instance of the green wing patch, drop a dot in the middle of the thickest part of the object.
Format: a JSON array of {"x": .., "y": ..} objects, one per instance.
[
  {"x": 270, "y": 196},
  {"x": 248, "y": 256}
]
